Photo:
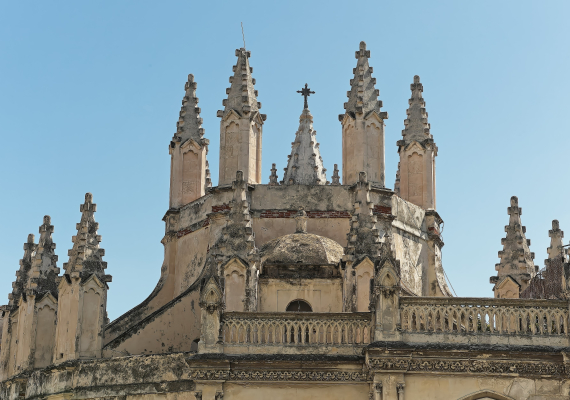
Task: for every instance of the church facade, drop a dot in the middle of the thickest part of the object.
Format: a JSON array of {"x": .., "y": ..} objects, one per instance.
[{"x": 302, "y": 287}]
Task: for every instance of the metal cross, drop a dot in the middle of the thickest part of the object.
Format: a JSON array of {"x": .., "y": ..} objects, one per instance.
[{"x": 305, "y": 92}]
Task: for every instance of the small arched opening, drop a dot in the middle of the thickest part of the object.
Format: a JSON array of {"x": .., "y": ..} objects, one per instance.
[{"x": 299, "y": 306}]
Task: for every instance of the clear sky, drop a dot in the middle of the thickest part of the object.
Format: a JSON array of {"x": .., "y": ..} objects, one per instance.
[{"x": 90, "y": 93}]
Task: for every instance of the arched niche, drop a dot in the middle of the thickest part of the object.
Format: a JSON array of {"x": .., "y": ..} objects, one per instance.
[
  {"x": 299, "y": 305},
  {"x": 364, "y": 274},
  {"x": 234, "y": 285}
]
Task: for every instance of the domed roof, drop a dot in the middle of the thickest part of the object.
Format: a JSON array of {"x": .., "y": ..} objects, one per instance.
[{"x": 301, "y": 248}]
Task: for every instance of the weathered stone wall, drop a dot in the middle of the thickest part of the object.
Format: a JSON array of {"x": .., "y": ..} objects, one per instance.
[
  {"x": 197, "y": 226},
  {"x": 180, "y": 376},
  {"x": 324, "y": 295},
  {"x": 172, "y": 328}
]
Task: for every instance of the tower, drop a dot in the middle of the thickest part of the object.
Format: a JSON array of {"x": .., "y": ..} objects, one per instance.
[
  {"x": 11, "y": 313},
  {"x": 188, "y": 150},
  {"x": 415, "y": 179},
  {"x": 363, "y": 126},
  {"x": 516, "y": 267},
  {"x": 83, "y": 288},
  {"x": 241, "y": 126}
]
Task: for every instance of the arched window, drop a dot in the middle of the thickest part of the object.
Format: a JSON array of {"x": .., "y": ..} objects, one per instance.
[{"x": 299, "y": 306}]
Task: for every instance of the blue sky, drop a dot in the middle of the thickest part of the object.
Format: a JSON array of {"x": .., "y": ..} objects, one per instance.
[{"x": 90, "y": 94}]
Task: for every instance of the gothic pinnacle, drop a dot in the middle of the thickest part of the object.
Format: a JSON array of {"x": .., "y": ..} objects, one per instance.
[
  {"x": 273, "y": 179},
  {"x": 19, "y": 285},
  {"x": 363, "y": 96},
  {"x": 242, "y": 96},
  {"x": 556, "y": 248},
  {"x": 189, "y": 125},
  {"x": 416, "y": 125},
  {"x": 516, "y": 257},
  {"x": 305, "y": 166},
  {"x": 86, "y": 257},
  {"x": 44, "y": 271}
]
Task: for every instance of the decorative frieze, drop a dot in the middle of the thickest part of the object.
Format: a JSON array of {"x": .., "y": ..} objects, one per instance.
[
  {"x": 471, "y": 366},
  {"x": 310, "y": 214},
  {"x": 282, "y": 375}
]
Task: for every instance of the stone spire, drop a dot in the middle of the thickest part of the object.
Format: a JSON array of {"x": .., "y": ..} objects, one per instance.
[
  {"x": 397, "y": 182},
  {"x": 273, "y": 178},
  {"x": 415, "y": 178},
  {"x": 416, "y": 125},
  {"x": 188, "y": 150},
  {"x": 189, "y": 125},
  {"x": 335, "y": 178},
  {"x": 556, "y": 248},
  {"x": 44, "y": 271},
  {"x": 242, "y": 96},
  {"x": 241, "y": 126},
  {"x": 516, "y": 257},
  {"x": 305, "y": 166},
  {"x": 363, "y": 126},
  {"x": 363, "y": 96},
  {"x": 86, "y": 257},
  {"x": 208, "y": 182},
  {"x": 22, "y": 275}
]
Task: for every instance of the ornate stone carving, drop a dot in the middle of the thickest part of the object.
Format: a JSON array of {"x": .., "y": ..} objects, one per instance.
[
  {"x": 473, "y": 366},
  {"x": 268, "y": 375}
]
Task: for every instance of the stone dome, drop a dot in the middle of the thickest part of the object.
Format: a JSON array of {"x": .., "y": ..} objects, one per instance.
[{"x": 302, "y": 248}]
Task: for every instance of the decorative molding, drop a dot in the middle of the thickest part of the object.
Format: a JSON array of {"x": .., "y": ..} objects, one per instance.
[
  {"x": 469, "y": 366},
  {"x": 265, "y": 375},
  {"x": 310, "y": 214}
]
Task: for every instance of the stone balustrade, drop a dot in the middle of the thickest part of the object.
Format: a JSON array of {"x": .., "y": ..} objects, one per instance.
[
  {"x": 484, "y": 320},
  {"x": 285, "y": 332}
]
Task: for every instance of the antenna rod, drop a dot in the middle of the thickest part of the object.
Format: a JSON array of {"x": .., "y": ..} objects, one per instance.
[{"x": 243, "y": 36}]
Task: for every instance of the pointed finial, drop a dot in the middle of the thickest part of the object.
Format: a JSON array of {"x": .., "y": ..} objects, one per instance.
[
  {"x": 417, "y": 79},
  {"x": 273, "y": 179},
  {"x": 362, "y": 52},
  {"x": 556, "y": 248},
  {"x": 242, "y": 96},
  {"x": 363, "y": 96},
  {"x": 335, "y": 176},
  {"x": 189, "y": 123},
  {"x": 514, "y": 201}
]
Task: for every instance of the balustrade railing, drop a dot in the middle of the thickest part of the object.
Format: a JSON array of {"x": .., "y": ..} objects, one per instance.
[
  {"x": 297, "y": 329},
  {"x": 481, "y": 316}
]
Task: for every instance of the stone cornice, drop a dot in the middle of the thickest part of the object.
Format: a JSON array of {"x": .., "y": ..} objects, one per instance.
[
  {"x": 289, "y": 375},
  {"x": 405, "y": 363}
]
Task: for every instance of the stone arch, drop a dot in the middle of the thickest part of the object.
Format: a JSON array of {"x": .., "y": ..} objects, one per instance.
[
  {"x": 486, "y": 394},
  {"x": 299, "y": 305},
  {"x": 235, "y": 273}
]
